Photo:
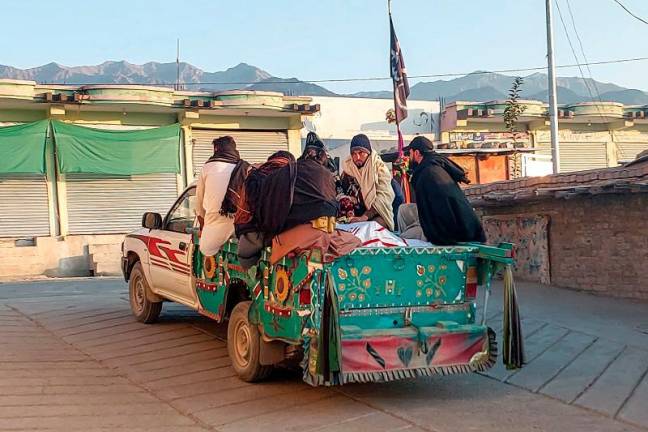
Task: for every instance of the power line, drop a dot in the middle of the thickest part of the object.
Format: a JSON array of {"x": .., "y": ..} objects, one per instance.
[
  {"x": 571, "y": 46},
  {"x": 580, "y": 69},
  {"x": 630, "y": 12},
  {"x": 334, "y": 80},
  {"x": 582, "y": 49}
]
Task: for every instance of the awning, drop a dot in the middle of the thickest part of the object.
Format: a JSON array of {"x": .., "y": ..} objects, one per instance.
[
  {"x": 23, "y": 148},
  {"x": 88, "y": 150}
]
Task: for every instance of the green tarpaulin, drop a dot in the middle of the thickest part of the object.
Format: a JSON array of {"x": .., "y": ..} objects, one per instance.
[
  {"x": 86, "y": 150},
  {"x": 23, "y": 148}
]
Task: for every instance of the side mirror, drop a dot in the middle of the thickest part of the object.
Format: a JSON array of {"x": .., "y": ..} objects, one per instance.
[{"x": 152, "y": 220}]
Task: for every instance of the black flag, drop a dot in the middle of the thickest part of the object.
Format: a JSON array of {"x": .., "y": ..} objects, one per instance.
[{"x": 399, "y": 75}]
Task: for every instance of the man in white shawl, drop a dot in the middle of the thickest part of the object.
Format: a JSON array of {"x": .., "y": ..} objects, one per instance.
[{"x": 370, "y": 174}]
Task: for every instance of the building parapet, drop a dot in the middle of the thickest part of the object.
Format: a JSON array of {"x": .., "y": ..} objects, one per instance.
[{"x": 166, "y": 97}]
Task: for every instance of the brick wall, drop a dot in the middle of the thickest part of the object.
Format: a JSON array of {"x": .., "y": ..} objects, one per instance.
[{"x": 597, "y": 243}]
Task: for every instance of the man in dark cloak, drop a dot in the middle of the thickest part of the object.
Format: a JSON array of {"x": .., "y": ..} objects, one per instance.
[
  {"x": 297, "y": 207},
  {"x": 445, "y": 215}
]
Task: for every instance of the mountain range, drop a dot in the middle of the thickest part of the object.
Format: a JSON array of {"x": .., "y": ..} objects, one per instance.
[{"x": 476, "y": 86}]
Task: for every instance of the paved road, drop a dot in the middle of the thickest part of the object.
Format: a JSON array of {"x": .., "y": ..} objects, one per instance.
[{"x": 74, "y": 359}]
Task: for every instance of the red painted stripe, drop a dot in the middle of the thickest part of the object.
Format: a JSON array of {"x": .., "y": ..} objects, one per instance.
[
  {"x": 159, "y": 261},
  {"x": 182, "y": 266},
  {"x": 178, "y": 270},
  {"x": 169, "y": 266}
]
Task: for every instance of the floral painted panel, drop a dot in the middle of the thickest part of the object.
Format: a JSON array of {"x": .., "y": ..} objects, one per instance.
[{"x": 530, "y": 237}]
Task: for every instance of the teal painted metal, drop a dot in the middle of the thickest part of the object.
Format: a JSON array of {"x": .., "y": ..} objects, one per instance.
[{"x": 376, "y": 314}]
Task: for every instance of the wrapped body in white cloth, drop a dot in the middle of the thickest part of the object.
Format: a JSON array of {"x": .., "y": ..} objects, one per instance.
[{"x": 372, "y": 234}]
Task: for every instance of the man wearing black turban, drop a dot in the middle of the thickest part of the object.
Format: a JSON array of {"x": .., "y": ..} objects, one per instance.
[{"x": 446, "y": 217}]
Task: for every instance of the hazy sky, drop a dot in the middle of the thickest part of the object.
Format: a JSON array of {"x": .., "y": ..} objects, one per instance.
[{"x": 322, "y": 39}]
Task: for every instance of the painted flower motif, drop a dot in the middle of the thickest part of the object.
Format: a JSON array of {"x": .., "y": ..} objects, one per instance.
[
  {"x": 443, "y": 267},
  {"x": 342, "y": 274},
  {"x": 341, "y": 297},
  {"x": 429, "y": 292},
  {"x": 443, "y": 280},
  {"x": 352, "y": 296},
  {"x": 361, "y": 297},
  {"x": 431, "y": 268},
  {"x": 420, "y": 270},
  {"x": 419, "y": 283},
  {"x": 367, "y": 283},
  {"x": 341, "y": 287},
  {"x": 437, "y": 293},
  {"x": 354, "y": 271},
  {"x": 419, "y": 293},
  {"x": 366, "y": 270}
]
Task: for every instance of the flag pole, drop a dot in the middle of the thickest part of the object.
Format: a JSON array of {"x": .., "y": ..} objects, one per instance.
[
  {"x": 398, "y": 131},
  {"x": 403, "y": 172}
]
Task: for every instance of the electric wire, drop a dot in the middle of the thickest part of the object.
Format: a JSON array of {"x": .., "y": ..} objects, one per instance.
[
  {"x": 582, "y": 49},
  {"x": 335, "y": 80},
  {"x": 630, "y": 12},
  {"x": 580, "y": 69}
]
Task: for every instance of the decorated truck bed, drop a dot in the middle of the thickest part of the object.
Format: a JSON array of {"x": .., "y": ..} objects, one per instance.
[{"x": 376, "y": 314}]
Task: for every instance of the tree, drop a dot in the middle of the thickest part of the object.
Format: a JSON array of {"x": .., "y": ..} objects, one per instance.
[{"x": 514, "y": 109}]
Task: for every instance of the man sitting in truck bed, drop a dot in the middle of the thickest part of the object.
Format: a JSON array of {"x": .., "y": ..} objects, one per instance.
[
  {"x": 445, "y": 214},
  {"x": 298, "y": 207},
  {"x": 250, "y": 240},
  {"x": 216, "y": 194},
  {"x": 366, "y": 171}
]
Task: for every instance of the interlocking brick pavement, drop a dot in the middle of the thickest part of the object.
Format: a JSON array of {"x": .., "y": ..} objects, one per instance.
[{"x": 74, "y": 359}]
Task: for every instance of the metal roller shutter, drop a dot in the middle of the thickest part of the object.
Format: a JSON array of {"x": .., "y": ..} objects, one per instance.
[
  {"x": 630, "y": 150},
  {"x": 577, "y": 156},
  {"x": 254, "y": 146},
  {"x": 102, "y": 204},
  {"x": 24, "y": 208}
]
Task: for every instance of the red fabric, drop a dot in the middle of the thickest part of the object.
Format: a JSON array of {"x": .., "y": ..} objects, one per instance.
[{"x": 305, "y": 237}]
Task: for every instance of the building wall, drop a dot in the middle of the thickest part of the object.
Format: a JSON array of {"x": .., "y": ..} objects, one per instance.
[
  {"x": 62, "y": 254},
  {"x": 597, "y": 244},
  {"x": 340, "y": 118}
]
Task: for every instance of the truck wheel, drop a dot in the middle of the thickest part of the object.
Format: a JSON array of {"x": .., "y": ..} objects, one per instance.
[
  {"x": 144, "y": 310},
  {"x": 244, "y": 345}
]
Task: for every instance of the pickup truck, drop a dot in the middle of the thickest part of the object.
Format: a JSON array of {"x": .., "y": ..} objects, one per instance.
[{"x": 376, "y": 314}]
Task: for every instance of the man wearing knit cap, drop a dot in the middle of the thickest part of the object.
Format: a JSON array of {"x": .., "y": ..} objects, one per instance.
[{"x": 366, "y": 171}]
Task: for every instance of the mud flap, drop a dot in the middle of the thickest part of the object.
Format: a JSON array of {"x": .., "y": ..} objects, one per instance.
[{"x": 271, "y": 353}]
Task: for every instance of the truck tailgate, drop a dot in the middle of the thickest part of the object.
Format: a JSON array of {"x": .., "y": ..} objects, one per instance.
[{"x": 395, "y": 277}]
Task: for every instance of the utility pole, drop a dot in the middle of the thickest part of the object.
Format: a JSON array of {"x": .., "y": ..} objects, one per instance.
[
  {"x": 553, "y": 103},
  {"x": 177, "y": 86}
]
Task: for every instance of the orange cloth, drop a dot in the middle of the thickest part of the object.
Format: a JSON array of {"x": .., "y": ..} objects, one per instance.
[{"x": 305, "y": 237}]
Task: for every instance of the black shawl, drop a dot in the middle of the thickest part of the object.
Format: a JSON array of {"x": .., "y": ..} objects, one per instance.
[
  {"x": 295, "y": 194},
  {"x": 445, "y": 214}
]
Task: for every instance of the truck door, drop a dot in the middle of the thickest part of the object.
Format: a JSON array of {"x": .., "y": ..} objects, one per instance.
[{"x": 170, "y": 251}]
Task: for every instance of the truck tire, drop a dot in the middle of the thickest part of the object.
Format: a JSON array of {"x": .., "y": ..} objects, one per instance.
[
  {"x": 244, "y": 345},
  {"x": 143, "y": 309}
]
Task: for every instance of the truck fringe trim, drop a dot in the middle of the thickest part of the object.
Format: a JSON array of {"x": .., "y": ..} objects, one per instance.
[{"x": 479, "y": 365}]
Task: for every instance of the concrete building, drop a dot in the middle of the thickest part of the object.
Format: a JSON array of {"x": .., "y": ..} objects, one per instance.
[
  {"x": 340, "y": 118},
  {"x": 592, "y": 135},
  {"x": 58, "y": 222}
]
